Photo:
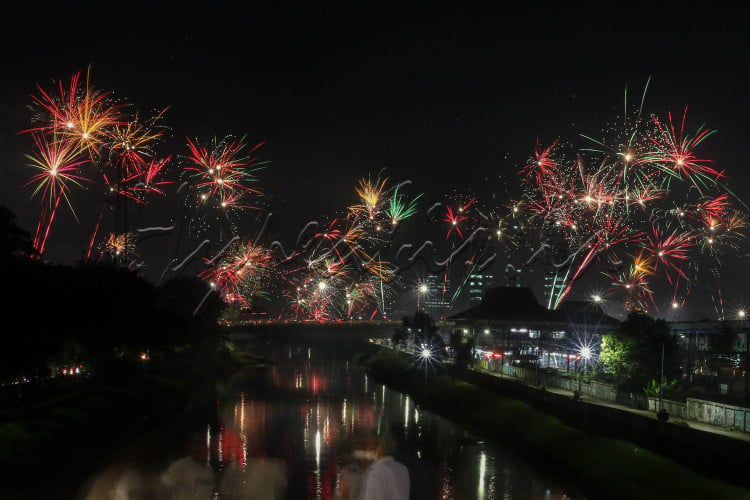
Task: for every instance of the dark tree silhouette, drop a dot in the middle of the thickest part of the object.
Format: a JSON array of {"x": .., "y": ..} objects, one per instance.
[{"x": 15, "y": 242}]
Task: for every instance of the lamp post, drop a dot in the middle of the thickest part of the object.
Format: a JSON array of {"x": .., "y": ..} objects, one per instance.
[
  {"x": 741, "y": 315},
  {"x": 661, "y": 380},
  {"x": 421, "y": 292},
  {"x": 585, "y": 353},
  {"x": 662, "y": 416}
]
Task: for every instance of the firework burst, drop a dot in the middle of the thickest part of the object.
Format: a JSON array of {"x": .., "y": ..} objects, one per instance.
[
  {"x": 242, "y": 274},
  {"x": 79, "y": 112},
  {"x": 221, "y": 174},
  {"x": 605, "y": 203}
]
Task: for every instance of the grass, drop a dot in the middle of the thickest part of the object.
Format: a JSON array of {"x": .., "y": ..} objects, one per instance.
[{"x": 607, "y": 467}]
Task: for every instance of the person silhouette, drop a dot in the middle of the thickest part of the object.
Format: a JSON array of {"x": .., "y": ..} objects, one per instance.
[
  {"x": 386, "y": 478},
  {"x": 132, "y": 475},
  {"x": 260, "y": 478},
  {"x": 355, "y": 464},
  {"x": 191, "y": 477}
]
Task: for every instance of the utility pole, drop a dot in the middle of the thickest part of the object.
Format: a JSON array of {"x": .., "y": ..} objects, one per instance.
[
  {"x": 661, "y": 380},
  {"x": 662, "y": 416},
  {"x": 747, "y": 351}
]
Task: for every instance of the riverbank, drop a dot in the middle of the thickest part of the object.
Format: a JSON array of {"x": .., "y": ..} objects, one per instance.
[
  {"x": 609, "y": 467},
  {"x": 52, "y": 444}
]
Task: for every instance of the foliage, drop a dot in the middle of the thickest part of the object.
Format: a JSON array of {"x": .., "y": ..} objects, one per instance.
[
  {"x": 462, "y": 350},
  {"x": 93, "y": 314},
  {"x": 15, "y": 242},
  {"x": 422, "y": 326},
  {"x": 671, "y": 390},
  {"x": 631, "y": 355},
  {"x": 419, "y": 329},
  {"x": 614, "y": 357},
  {"x": 400, "y": 336}
]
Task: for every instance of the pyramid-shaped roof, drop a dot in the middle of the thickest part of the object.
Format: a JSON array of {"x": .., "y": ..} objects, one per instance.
[
  {"x": 520, "y": 304},
  {"x": 506, "y": 303},
  {"x": 584, "y": 312}
]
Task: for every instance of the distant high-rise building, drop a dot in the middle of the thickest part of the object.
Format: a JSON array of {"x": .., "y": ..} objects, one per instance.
[
  {"x": 389, "y": 307},
  {"x": 554, "y": 285},
  {"x": 437, "y": 301},
  {"x": 477, "y": 285},
  {"x": 514, "y": 275}
]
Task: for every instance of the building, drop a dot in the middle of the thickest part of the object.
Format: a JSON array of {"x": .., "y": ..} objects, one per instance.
[
  {"x": 554, "y": 286},
  {"x": 478, "y": 285},
  {"x": 715, "y": 353},
  {"x": 511, "y": 324},
  {"x": 437, "y": 300}
]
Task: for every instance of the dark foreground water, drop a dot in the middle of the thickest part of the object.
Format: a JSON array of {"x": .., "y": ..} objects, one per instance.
[{"x": 306, "y": 408}]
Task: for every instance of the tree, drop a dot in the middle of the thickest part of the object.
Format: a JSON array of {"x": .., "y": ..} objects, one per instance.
[
  {"x": 614, "y": 357},
  {"x": 631, "y": 355},
  {"x": 424, "y": 328},
  {"x": 401, "y": 335},
  {"x": 14, "y": 241},
  {"x": 421, "y": 330},
  {"x": 462, "y": 348}
]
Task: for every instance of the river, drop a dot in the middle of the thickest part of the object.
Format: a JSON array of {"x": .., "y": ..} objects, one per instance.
[{"x": 306, "y": 407}]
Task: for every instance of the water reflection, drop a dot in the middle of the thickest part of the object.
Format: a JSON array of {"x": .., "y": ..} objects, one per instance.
[{"x": 307, "y": 407}]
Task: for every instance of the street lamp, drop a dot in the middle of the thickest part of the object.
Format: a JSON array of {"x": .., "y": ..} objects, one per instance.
[
  {"x": 741, "y": 315},
  {"x": 585, "y": 354},
  {"x": 425, "y": 356},
  {"x": 421, "y": 291}
]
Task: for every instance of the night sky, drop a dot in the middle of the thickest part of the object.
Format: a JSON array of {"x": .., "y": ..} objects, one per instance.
[{"x": 453, "y": 100}]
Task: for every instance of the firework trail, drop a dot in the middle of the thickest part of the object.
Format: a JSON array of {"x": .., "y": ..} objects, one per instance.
[{"x": 59, "y": 163}]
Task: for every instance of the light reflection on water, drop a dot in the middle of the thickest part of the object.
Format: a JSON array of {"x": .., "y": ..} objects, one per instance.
[{"x": 306, "y": 408}]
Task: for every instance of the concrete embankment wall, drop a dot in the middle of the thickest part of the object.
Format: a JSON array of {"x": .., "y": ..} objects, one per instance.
[
  {"x": 709, "y": 412},
  {"x": 674, "y": 440},
  {"x": 714, "y": 413}
]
